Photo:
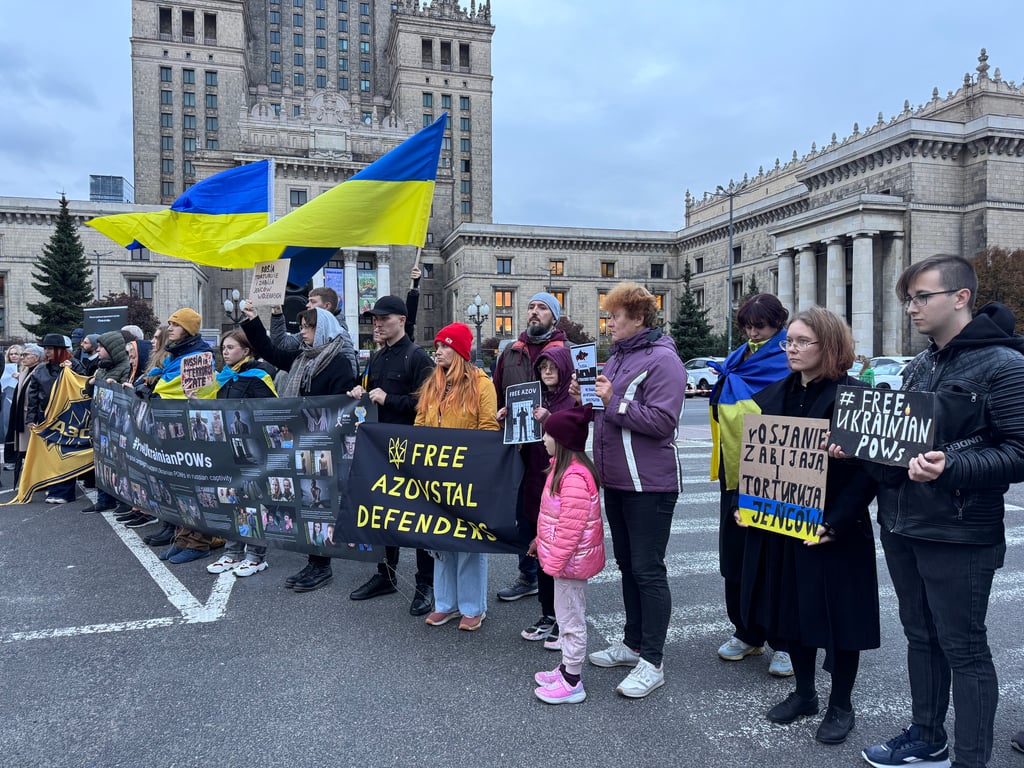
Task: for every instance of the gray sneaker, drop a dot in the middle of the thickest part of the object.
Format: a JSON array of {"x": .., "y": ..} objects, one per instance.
[
  {"x": 518, "y": 589},
  {"x": 616, "y": 655},
  {"x": 644, "y": 678}
]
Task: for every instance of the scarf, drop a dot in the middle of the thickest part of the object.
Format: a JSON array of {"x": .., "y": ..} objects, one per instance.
[
  {"x": 235, "y": 372},
  {"x": 314, "y": 360}
]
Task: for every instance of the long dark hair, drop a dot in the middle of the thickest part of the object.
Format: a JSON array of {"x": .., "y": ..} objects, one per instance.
[{"x": 563, "y": 458}]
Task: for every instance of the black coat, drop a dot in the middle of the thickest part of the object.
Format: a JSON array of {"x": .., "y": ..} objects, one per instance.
[
  {"x": 823, "y": 596},
  {"x": 337, "y": 379},
  {"x": 247, "y": 386}
]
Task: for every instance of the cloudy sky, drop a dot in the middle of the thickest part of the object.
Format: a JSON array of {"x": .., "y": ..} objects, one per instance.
[{"x": 605, "y": 111}]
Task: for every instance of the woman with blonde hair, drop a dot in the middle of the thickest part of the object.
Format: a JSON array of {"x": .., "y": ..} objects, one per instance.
[{"x": 458, "y": 395}]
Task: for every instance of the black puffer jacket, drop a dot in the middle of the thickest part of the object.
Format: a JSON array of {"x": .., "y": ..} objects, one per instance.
[
  {"x": 978, "y": 379},
  {"x": 247, "y": 386}
]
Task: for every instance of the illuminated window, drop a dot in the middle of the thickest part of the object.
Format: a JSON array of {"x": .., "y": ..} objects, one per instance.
[
  {"x": 502, "y": 326},
  {"x": 556, "y": 267},
  {"x": 607, "y": 269},
  {"x": 503, "y": 299}
]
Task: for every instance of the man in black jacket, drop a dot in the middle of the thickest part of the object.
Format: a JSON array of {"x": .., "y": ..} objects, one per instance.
[
  {"x": 393, "y": 375},
  {"x": 942, "y": 518}
]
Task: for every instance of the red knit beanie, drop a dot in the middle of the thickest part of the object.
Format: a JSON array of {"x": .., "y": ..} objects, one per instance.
[
  {"x": 570, "y": 428},
  {"x": 458, "y": 337}
]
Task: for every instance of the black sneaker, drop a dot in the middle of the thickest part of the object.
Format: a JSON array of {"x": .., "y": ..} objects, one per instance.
[
  {"x": 377, "y": 585},
  {"x": 161, "y": 538},
  {"x": 905, "y": 749},
  {"x": 520, "y": 588},
  {"x": 318, "y": 576},
  {"x": 141, "y": 522},
  {"x": 290, "y": 582},
  {"x": 97, "y": 508},
  {"x": 122, "y": 508},
  {"x": 540, "y": 629},
  {"x": 128, "y": 516},
  {"x": 792, "y": 707}
]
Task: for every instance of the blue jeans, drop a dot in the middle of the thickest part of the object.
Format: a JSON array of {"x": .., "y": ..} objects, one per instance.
[
  {"x": 943, "y": 592},
  {"x": 460, "y": 581},
  {"x": 640, "y": 524}
]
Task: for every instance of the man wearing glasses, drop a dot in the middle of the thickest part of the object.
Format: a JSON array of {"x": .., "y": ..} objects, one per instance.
[{"x": 942, "y": 518}]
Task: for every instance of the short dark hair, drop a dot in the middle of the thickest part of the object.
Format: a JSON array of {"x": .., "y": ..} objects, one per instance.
[
  {"x": 327, "y": 296},
  {"x": 762, "y": 309},
  {"x": 955, "y": 273},
  {"x": 309, "y": 315}
]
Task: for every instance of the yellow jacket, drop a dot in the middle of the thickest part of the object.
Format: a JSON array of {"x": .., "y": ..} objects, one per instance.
[{"x": 484, "y": 419}]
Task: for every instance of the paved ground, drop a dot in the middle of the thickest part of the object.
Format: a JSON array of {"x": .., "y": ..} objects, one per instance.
[{"x": 108, "y": 657}]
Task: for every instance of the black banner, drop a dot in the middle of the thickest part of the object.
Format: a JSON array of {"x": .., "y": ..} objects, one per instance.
[
  {"x": 437, "y": 489},
  {"x": 265, "y": 471}
]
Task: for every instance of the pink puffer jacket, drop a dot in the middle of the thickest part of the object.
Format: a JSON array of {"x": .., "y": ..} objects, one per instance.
[{"x": 570, "y": 532}]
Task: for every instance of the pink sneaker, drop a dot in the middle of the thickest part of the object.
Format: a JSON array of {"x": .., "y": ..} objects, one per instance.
[
  {"x": 560, "y": 692},
  {"x": 547, "y": 679}
]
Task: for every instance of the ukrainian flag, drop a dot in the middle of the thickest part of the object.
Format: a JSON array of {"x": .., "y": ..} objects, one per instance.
[
  {"x": 228, "y": 205},
  {"x": 387, "y": 203}
]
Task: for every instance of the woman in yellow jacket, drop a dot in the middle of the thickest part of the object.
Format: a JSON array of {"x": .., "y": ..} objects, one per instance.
[{"x": 458, "y": 395}]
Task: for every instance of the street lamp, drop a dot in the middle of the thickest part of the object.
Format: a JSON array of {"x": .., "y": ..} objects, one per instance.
[
  {"x": 477, "y": 313},
  {"x": 233, "y": 307},
  {"x": 730, "y": 193}
]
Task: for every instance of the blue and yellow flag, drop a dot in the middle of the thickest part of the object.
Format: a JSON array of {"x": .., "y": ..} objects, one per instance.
[
  {"x": 60, "y": 447},
  {"x": 386, "y": 203},
  {"x": 228, "y": 205}
]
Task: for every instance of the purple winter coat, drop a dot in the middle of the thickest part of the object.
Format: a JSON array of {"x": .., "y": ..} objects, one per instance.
[
  {"x": 570, "y": 533},
  {"x": 635, "y": 435}
]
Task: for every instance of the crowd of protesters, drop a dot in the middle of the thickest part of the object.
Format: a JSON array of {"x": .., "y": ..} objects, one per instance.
[{"x": 799, "y": 596}]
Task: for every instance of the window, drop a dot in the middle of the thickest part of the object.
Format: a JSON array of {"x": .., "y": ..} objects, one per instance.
[
  {"x": 560, "y": 295},
  {"x": 321, "y": 81},
  {"x": 275, "y": 37},
  {"x": 298, "y": 78},
  {"x": 430, "y": 238},
  {"x": 503, "y": 299},
  {"x": 167, "y": 188},
  {"x": 600, "y": 299},
  {"x": 556, "y": 267},
  {"x": 698, "y": 265},
  {"x": 364, "y": 27},
  {"x": 165, "y": 74},
  {"x": 698, "y": 296},
  {"x": 321, "y": 22},
  {"x": 167, "y": 143},
  {"x": 464, "y": 103},
  {"x": 297, "y": 3},
  {"x": 275, "y": 57},
  {"x": 342, "y": 83},
  {"x": 607, "y": 269},
  {"x": 188, "y": 26},
  {"x": 364, "y": 66},
  {"x": 464, "y": 124},
  {"x": 602, "y": 326},
  {"x": 321, "y": 42},
  {"x": 296, "y": 110},
  {"x": 166, "y": 120},
  {"x": 343, "y": 25},
  {"x": 211, "y": 124},
  {"x": 211, "y": 79},
  {"x": 190, "y": 169},
  {"x": 188, "y": 98},
  {"x": 737, "y": 254},
  {"x": 139, "y": 254},
  {"x": 466, "y": 207},
  {"x": 211, "y": 101},
  {"x": 446, "y": 54},
  {"x": 275, "y": 76},
  {"x": 210, "y": 28},
  {"x": 364, "y": 86},
  {"x": 428, "y": 100},
  {"x": 297, "y": 197},
  {"x": 446, "y": 101},
  {"x": 502, "y": 326},
  {"x": 165, "y": 23},
  {"x": 364, "y": 47},
  {"x": 364, "y": 9},
  {"x": 321, "y": 62},
  {"x": 140, "y": 289},
  {"x": 657, "y": 271},
  {"x": 504, "y": 266},
  {"x": 446, "y": 143},
  {"x": 298, "y": 60},
  {"x": 189, "y": 144},
  {"x": 428, "y": 301},
  {"x": 321, "y": 5},
  {"x": 343, "y": 44},
  {"x": 464, "y": 57},
  {"x": 212, "y": 144},
  {"x": 426, "y": 52},
  {"x": 166, "y": 165},
  {"x": 367, "y": 117},
  {"x": 466, "y": 187},
  {"x": 166, "y": 98},
  {"x": 465, "y": 165},
  {"x": 428, "y": 331},
  {"x": 298, "y": 40},
  {"x": 428, "y": 270},
  {"x": 275, "y": 17},
  {"x": 737, "y": 290},
  {"x": 342, "y": 6},
  {"x": 464, "y": 145},
  {"x": 297, "y": 20},
  {"x": 188, "y": 76},
  {"x": 343, "y": 65},
  {"x": 427, "y": 119}
]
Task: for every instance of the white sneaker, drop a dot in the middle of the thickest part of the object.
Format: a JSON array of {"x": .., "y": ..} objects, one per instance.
[
  {"x": 781, "y": 665},
  {"x": 225, "y": 563},
  {"x": 644, "y": 678},
  {"x": 735, "y": 649},
  {"x": 248, "y": 567},
  {"x": 615, "y": 655}
]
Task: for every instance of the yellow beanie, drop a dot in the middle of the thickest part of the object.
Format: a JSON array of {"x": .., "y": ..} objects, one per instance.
[{"x": 188, "y": 319}]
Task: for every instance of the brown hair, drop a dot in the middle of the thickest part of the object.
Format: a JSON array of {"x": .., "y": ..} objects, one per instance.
[
  {"x": 835, "y": 340},
  {"x": 635, "y": 300},
  {"x": 328, "y": 296},
  {"x": 238, "y": 336},
  {"x": 307, "y": 315},
  {"x": 955, "y": 273},
  {"x": 563, "y": 458}
]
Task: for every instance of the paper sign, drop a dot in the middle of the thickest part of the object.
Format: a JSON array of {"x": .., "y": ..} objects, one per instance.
[
  {"x": 882, "y": 425},
  {"x": 196, "y": 372},
  {"x": 269, "y": 283},
  {"x": 584, "y": 362},
  {"x": 782, "y": 474},
  {"x": 520, "y": 400}
]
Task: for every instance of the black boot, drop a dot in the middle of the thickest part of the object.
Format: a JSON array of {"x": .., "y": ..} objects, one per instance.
[
  {"x": 161, "y": 538},
  {"x": 295, "y": 578},
  {"x": 319, "y": 576},
  {"x": 422, "y": 601}
]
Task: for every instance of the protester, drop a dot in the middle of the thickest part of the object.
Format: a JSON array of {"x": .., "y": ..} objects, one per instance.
[
  {"x": 458, "y": 395},
  {"x": 518, "y": 365},
  {"x": 803, "y": 595},
  {"x": 318, "y": 367},
  {"x": 8, "y": 385},
  {"x": 642, "y": 387},
  {"x": 134, "y": 333},
  {"x": 241, "y": 377},
  {"x": 749, "y": 368},
  {"x": 88, "y": 354},
  {"x": 393, "y": 376},
  {"x": 867, "y": 372},
  {"x": 569, "y": 546},
  {"x": 18, "y": 426},
  {"x": 942, "y": 518},
  {"x": 324, "y": 298}
]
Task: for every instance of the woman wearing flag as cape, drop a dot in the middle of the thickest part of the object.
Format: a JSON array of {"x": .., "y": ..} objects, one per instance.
[{"x": 749, "y": 368}]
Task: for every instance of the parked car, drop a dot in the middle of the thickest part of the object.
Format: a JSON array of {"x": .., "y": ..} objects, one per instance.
[
  {"x": 700, "y": 379},
  {"x": 889, "y": 371}
]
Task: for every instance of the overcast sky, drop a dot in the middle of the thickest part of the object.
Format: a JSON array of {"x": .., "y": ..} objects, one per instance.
[{"x": 605, "y": 111}]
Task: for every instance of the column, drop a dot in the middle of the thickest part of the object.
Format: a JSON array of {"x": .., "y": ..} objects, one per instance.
[
  {"x": 835, "y": 277},
  {"x": 808, "y": 277},
  {"x": 352, "y": 297},
  {"x": 786, "y": 280},
  {"x": 864, "y": 292},
  {"x": 383, "y": 274},
  {"x": 894, "y": 319}
]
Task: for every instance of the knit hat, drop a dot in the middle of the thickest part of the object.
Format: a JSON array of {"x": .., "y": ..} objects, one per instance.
[
  {"x": 188, "y": 319},
  {"x": 94, "y": 339},
  {"x": 458, "y": 337},
  {"x": 570, "y": 428},
  {"x": 552, "y": 303}
]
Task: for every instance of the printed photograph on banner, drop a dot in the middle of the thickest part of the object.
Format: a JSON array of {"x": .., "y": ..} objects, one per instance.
[
  {"x": 206, "y": 425},
  {"x": 207, "y": 496},
  {"x": 238, "y": 425},
  {"x": 584, "y": 363},
  {"x": 227, "y": 495},
  {"x": 520, "y": 425},
  {"x": 196, "y": 372},
  {"x": 324, "y": 467},
  {"x": 783, "y": 470},
  {"x": 188, "y": 508},
  {"x": 247, "y": 523},
  {"x": 269, "y": 283},
  {"x": 281, "y": 489},
  {"x": 279, "y": 436},
  {"x": 278, "y": 519},
  {"x": 348, "y": 443},
  {"x": 317, "y": 533},
  {"x": 882, "y": 425},
  {"x": 317, "y": 419},
  {"x": 243, "y": 450},
  {"x": 315, "y": 495}
]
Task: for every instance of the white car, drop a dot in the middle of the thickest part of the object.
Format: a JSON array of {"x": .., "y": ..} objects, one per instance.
[
  {"x": 889, "y": 371},
  {"x": 699, "y": 377}
]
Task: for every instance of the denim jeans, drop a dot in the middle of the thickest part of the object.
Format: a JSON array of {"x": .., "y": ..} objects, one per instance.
[
  {"x": 640, "y": 524},
  {"x": 460, "y": 581},
  {"x": 238, "y": 548},
  {"x": 943, "y": 592}
]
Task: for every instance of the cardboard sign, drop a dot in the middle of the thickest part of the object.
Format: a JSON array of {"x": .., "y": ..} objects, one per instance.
[
  {"x": 584, "y": 362},
  {"x": 269, "y": 283},
  {"x": 782, "y": 474},
  {"x": 196, "y": 372},
  {"x": 884, "y": 426},
  {"x": 520, "y": 400}
]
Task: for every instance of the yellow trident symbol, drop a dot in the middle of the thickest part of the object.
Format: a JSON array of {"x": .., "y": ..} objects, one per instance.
[{"x": 396, "y": 451}]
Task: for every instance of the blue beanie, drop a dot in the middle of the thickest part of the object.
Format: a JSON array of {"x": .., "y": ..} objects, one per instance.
[{"x": 551, "y": 302}]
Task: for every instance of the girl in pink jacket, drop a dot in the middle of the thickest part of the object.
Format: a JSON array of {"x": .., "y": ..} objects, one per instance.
[{"x": 570, "y": 546}]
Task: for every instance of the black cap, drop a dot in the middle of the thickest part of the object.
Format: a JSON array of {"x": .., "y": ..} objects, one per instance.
[
  {"x": 54, "y": 340},
  {"x": 388, "y": 305}
]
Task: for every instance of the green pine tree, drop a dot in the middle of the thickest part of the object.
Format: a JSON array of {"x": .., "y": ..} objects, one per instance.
[
  {"x": 64, "y": 279},
  {"x": 691, "y": 329}
]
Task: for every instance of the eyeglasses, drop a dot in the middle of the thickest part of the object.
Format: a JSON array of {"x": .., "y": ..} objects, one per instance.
[
  {"x": 921, "y": 299},
  {"x": 798, "y": 344}
]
